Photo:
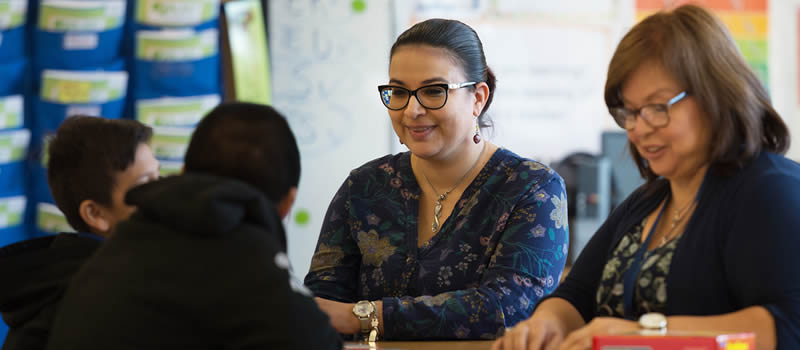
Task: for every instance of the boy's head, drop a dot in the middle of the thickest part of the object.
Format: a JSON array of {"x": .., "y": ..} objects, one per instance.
[
  {"x": 92, "y": 163},
  {"x": 251, "y": 143}
]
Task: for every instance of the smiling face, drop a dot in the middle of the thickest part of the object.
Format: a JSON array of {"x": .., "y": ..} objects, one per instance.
[
  {"x": 439, "y": 133},
  {"x": 679, "y": 149}
]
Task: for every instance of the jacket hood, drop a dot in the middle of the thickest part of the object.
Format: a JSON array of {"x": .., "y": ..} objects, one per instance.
[
  {"x": 205, "y": 205},
  {"x": 35, "y": 273}
]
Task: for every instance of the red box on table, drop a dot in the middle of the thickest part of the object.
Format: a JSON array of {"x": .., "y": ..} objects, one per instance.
[{"x": 675, "y": 340}]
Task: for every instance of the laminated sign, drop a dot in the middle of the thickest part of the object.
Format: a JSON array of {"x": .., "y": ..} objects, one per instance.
[
  {"x": 175, "y": 111},
  {"x": 76, "y": 34}
]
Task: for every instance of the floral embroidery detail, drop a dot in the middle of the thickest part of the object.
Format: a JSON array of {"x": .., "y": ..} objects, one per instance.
[
  {"x": 462, "y": 332},
  {"x": 537, "y": 231},
  {"x": 461, "y": 224},
  {"x": 373, "y": 220},
  {"x": 327, "y": 256},
  {"x": 464, "y": 247},
  {"x": 387, "y": 168},
  {"x": 501, "y": 223},
  {"x": 510, "y": 310},
  {"x": 559, "y": 214},
  {"x": 377, "y": 277},
  {"x": 524, "y": 302},
  {"x": 445, "y": 272},
  {"x": 375, "y": 251},
  {"x": 471, "y": 203},
  {"x": 534, "y": 165},
  {"x": 541, "y": 196},
  {"x": 396, "y": 182}
]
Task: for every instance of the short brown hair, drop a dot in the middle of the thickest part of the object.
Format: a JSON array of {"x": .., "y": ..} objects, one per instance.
[
  {"x": 84, "y": 157},
  {"x": 699, "y": 52}
]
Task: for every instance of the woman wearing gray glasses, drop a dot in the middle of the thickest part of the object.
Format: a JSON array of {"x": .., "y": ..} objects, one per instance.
[
  {"x": 455, "y": 239},
  {"x": 709, "y": 242}
]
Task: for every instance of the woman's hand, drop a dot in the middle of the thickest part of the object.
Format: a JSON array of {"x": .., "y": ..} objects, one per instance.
[
  {"x": 541, "y": 331},
  {"x": 581, "y": 339},
  {"x": 341, "y": 315}
]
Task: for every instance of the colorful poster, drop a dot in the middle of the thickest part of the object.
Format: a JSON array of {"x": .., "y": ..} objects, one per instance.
[{"x": 747, "y": 21}]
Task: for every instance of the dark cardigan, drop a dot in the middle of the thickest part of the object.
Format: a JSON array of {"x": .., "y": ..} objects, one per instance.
[{"x": 739, "y": 249}]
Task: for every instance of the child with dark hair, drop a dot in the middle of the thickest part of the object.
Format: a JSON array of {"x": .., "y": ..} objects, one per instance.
[
  {"x": 92, "y": 163},
  {"x": 202, "y": 263}
]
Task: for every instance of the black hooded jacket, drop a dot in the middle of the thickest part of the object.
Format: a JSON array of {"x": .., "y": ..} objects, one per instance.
[
  {"x": 35, "y": 274},
  {"x": 200, "y": 265}
]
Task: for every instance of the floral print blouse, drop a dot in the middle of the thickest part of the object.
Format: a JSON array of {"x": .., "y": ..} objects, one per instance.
[
  {"x": 650, "y": 291},
  {"x": 501, "y": 250}
]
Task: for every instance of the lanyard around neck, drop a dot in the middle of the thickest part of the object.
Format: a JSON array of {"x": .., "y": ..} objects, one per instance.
[{"x": 632, "y": 273}]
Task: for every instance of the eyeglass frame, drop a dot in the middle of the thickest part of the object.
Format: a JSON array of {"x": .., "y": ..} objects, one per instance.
[
  {"x": 636, "y": 113},
  {"x": 447, "y": 87}
]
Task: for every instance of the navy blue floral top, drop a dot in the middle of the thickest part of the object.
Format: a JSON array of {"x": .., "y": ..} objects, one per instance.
[{"x": 501, "y": 250}]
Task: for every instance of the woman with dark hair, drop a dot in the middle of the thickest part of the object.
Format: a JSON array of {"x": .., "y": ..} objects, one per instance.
[
  {"x": 709, "y": 241},
  {"x": 455, "y": 239}
]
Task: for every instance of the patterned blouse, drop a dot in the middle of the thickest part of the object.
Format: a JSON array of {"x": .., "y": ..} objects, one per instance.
[
  {"x": 501, "y": 250},
  {"x": 650, "y": 291}
]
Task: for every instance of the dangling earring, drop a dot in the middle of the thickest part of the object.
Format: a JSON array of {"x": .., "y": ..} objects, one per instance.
[
  {"x": 400, "y": 140},
  {"x": 477, "y": 137}
]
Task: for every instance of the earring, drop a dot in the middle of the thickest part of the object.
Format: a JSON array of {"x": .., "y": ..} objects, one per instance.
[
  {"x": 477, "y": 137},
  {"x": 400, "y": 140}
]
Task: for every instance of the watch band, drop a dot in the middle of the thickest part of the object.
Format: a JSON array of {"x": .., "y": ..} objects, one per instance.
[{"x": 375, "y": 322}]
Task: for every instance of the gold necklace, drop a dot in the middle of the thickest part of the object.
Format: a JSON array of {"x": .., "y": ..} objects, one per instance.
[
  {"x": 677, "y": 218},
  {"x": 437, "y": 209}
]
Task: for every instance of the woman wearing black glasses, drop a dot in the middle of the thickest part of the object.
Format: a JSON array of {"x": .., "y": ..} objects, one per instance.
[
  {"x": 709, "y": 242},
  {"x": 455, "y": 239}
]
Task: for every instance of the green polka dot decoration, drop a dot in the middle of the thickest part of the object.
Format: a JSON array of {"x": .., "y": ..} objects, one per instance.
[
  {"x": 359, "y": 6},
  {"x": 302, "y": 217}
]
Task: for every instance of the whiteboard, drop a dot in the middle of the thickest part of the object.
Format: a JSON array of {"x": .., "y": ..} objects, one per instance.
[{"x": 328, "y": 57}]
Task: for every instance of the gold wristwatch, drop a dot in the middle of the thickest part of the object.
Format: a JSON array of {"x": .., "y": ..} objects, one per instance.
[{"x": 364, "y": 310}]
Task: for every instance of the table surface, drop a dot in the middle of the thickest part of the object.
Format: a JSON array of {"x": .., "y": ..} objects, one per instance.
[{"x": 421, "y": 345}]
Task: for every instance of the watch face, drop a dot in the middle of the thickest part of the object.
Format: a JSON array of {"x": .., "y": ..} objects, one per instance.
[
  {"x": 653, "y": 321},
  {"x": 362, "y": 309}
]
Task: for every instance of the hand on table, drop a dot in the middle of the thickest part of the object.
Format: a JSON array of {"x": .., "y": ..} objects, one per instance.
[
  {"x": 341, "y": 315},
  {"x": 541, "y": 332},
  {"x": 582, "y": 338}
]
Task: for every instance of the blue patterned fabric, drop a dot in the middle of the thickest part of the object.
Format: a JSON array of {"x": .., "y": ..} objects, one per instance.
[{"x": 501, "y": 250}]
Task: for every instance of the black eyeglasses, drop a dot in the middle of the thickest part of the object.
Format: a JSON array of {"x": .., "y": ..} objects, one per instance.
[
  {"x": 432, "y": 96},
  {"x": 657, "y": 115}
]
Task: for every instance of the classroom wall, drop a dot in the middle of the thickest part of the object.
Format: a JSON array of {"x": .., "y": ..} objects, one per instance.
[{"x": 328, "y": 56}]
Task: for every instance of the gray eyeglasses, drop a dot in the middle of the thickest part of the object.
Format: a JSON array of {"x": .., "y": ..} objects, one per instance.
[
  {"x": 433, "y": 96},
  {"x": 657, "y": 114}
]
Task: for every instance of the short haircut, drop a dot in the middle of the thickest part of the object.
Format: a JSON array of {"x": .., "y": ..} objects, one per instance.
[
  {"x": 249, "y": 142},
  {"x": 699, "y": 52},
  {"x": 85, "y": 155}
]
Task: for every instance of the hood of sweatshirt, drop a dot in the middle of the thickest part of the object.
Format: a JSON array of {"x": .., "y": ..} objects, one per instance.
[{"x": 205, "y": 205}]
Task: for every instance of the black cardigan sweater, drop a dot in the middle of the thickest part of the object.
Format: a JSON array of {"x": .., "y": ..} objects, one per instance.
[{"x": 739, "y": 248}]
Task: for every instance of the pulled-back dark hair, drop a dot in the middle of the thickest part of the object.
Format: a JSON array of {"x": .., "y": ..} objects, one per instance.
[
  {"x": 84, "y": 158},
  {"x": 463, "y": 44},
  {"x": 249, "y": 142}
]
